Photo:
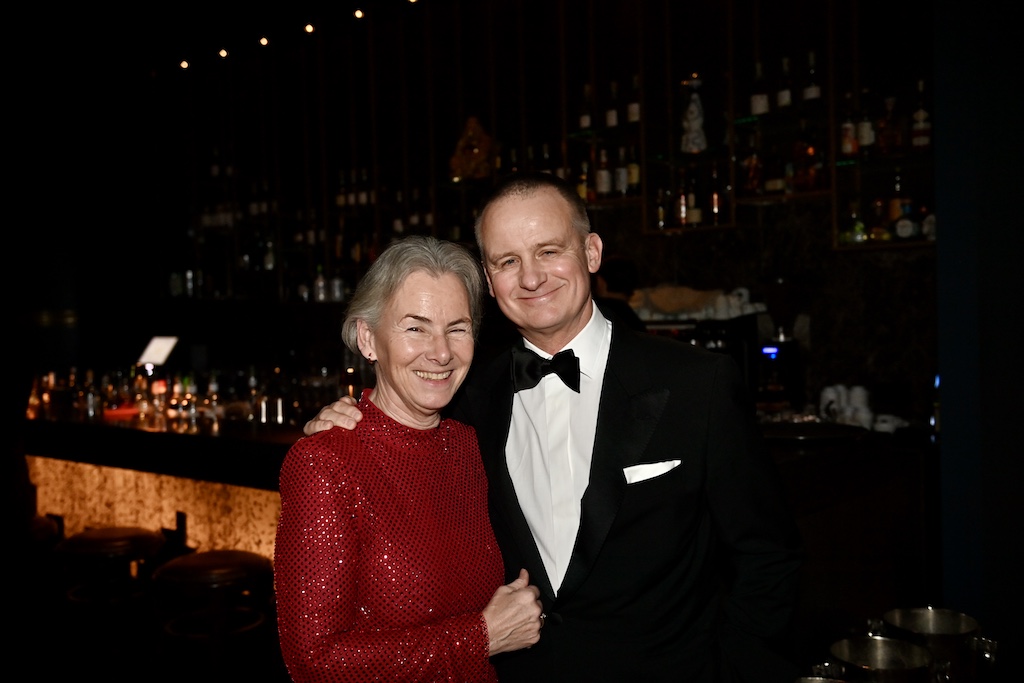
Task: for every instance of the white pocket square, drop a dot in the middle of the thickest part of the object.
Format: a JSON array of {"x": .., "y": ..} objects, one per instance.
[{"x": 635, "y": 473}]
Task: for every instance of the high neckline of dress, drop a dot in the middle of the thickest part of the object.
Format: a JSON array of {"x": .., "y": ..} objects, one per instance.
[{"x": 391, "y": 430}]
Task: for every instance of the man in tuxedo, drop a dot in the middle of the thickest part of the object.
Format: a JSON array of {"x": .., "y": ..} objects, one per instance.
[{"x": 636, "y": 490}]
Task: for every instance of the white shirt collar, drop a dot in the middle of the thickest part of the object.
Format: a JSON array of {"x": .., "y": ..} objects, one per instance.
[{"x": 587, "y": 345}]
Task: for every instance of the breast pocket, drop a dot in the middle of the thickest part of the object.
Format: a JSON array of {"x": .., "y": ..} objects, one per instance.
[{"x": 648, "y": 470}]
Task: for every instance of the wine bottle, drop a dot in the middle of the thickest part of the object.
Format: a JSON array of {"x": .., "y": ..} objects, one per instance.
[
  {"x": 633, "y": 106},
  {"x": 865, "y": 125},
  {"x": 848, "y": 145},
  {"x": 621, "y": 174},
  {"x": 603, "y": 179},
  {"x": 811, "y": 92},
  {"x": 586, "y": 108},
  {"x": 611, "y": 111},
  {"x": 759, "y": 92},
  {"x": 784, "y": 91},
  {"x": 633, "y": 171}
]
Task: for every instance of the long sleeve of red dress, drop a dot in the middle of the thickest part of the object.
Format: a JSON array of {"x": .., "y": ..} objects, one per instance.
[{"x": 384, "y": 557}]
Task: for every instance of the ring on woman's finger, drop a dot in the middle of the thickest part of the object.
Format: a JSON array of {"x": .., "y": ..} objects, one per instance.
[{"x": 542, "y": 618}]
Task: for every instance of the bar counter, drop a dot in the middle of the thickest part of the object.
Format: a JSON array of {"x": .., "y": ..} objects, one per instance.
[
  {"x": 108, "y": 474},
  {"x": 243, "y": 454},
  {"x": 865, "y": 502}
]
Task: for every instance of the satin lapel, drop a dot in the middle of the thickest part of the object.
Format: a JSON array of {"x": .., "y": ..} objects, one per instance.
[
  {"x": 493, "y": 403},
  {"x": 630, "y": 410}
]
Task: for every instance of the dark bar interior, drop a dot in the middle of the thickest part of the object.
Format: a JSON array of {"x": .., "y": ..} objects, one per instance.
[{"x": 234, "y": 205}]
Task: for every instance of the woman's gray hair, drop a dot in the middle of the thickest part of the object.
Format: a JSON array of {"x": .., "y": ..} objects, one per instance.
[{"x": 396, "y": 263}]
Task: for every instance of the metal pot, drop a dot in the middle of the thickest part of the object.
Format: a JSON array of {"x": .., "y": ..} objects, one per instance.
[
  {"x": 883, "y": 660},
  {"x": 948, "y": 635}
]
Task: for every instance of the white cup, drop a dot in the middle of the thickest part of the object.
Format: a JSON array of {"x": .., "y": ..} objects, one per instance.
[{"x": 859, "y": 397}]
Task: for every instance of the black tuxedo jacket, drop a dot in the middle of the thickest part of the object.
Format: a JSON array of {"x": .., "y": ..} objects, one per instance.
[{"x": 689, "y": 575}]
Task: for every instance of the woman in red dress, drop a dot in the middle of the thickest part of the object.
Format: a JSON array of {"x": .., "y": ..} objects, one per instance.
[{"x": 386, "y": 567}]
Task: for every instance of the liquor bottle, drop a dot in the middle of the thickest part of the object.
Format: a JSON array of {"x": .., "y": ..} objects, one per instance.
[
  {"x": 583, "y": 181},
  {"x": 865, "y": 125},
  {"x": 694, "y": 197},
  {"x": 665, "y": 203},
  {"x": 889, "y": 128},
  {"x": 848, "y": 146},
  {"x": 878, "y": 229},
  {"x": 808, "y": 158},
  {"x": 320, "y": 285},
  {"x": 774, "y": 171},
  {"x": 680, "y": 216},
  {"x": 906, "y": 226},
  {"x": 750, "y": 165},
  {"x": 784, "y": 91},
  {"x": 621, "y": 174},
  {"x": 415, "y": 216},
  {"x": 898, "y": 198},
  {"x": 633, "y": 106},
  {"x": 603, "y": 178},
  {"x": 926, "y": 219},
  {"x": 586, "y": 108},
  {"x": 611, "y": 111},
  {"x": 759, "y": 92},
  {"x": 363, "y": 192},
  {"x": 398, "y": 220},
  {"x": 633, "y": 171},
  {"x": 716, "y": 196},
  {"x": 854, "y": 231},
  {"x": 811, "y": 92},
  {"x": 351, "y": 192},
  {"x": 921, "y": 128},
  {"x": 341, "y": 197},
  {"x": 35, "y": 408}
]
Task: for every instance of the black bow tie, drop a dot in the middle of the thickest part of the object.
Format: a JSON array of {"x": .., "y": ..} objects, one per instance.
[{"x": 528, "y": 368}]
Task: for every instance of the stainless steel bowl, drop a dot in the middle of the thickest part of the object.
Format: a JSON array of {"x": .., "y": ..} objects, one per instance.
[{"x": 882, "y": 659}]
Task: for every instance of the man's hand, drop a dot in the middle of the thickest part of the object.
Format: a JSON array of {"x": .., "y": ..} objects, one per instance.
[{"x": 342, "y": 413}]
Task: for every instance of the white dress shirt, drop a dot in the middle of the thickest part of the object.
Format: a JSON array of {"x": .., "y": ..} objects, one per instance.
[{"x": 550, "y": 444}]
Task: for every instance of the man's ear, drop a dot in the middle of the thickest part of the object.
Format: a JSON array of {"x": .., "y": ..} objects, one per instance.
[
  {"x": 595, "y": 247},
  {"x": 490, "y": 287}
]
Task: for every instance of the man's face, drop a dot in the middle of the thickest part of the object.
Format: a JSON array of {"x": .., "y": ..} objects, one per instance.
[{"x": 537, "y": 266}]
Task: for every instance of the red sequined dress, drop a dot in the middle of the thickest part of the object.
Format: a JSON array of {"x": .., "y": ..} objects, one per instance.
[{"x": 385, "y": 557}]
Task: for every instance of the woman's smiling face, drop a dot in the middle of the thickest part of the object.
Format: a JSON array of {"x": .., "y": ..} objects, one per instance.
[{"x": 423, "y": 348}]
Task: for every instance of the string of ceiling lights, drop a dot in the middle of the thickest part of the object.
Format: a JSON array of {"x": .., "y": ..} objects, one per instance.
[{"x": 359, "y": 13}]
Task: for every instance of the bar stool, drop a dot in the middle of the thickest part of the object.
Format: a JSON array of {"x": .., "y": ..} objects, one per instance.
[
  {"x": 108, "y": 565},
  {"x": 107, "y": 600},
  {"x": 217, "y": 613}
]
